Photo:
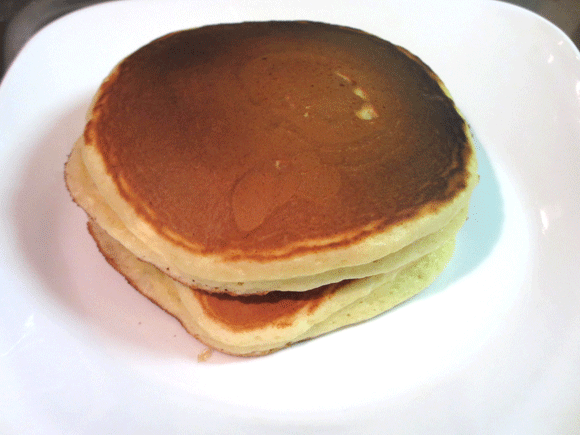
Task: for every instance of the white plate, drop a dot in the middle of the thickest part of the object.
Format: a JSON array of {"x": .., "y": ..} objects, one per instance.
[{"x": 492, "y": 347}]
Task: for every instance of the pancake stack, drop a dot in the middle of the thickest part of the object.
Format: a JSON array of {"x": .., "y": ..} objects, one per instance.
[{"x": 269, "y": 182}]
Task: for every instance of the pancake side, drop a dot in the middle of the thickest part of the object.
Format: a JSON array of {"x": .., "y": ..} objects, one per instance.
[
  {"x": 85, "y": 194},
  {"x": 257, "y": 325}
]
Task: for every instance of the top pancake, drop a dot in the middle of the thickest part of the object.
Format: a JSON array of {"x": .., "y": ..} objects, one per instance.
[{"x": 277, "y": 149}]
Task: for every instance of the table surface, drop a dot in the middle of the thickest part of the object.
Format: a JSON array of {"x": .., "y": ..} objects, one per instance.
[{"x": 20, "y": 19}]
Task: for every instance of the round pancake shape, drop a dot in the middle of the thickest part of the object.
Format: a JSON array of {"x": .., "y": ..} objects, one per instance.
[{"x": 274, "y": 150}]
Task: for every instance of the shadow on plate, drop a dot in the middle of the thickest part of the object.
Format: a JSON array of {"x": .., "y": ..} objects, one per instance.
[
  {"x": 480, "y": 233},
  {"x": 82, "y": 286}
]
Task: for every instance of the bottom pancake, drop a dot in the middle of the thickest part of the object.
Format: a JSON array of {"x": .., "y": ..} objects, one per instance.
[{"x": 261, "y": 324}]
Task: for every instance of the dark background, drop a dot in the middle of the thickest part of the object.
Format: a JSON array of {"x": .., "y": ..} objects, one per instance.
[{"x": 20, "y": 19}]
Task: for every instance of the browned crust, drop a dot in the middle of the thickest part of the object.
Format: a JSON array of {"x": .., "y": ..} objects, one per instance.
[{"x": 171, "y": 211}]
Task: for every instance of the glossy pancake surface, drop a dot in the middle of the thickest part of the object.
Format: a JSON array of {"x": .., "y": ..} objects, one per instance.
[{"x": 266, "y": 141}]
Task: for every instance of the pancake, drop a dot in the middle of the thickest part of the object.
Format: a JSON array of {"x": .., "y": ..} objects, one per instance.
[
  {"x": 268, "y": 182},
  {"x": 259, "y": 162},
  {"x": 261, "y": 324}
]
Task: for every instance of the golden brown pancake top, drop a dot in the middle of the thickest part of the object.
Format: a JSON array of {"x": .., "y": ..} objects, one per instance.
[{"x": 255, "y": 136}]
